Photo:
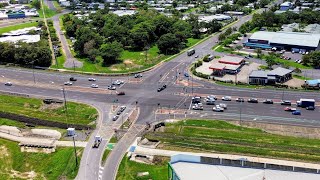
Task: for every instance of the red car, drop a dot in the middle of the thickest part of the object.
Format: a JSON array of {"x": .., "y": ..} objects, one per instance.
[
  {"x": 289, "y": 109},
  {"x": 120, "y": 93}
]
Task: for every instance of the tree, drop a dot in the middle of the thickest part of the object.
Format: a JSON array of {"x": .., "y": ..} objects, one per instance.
[
  {"x": 221, "y": 37},
  {"x": 110, "y": 52},
  {"x": 270, "y": 60},
  {"x": 36, "y": 4},
  {"x": 238, "y": 47},
  {"x": 169, "y": 44},
  {"x": 258, "y": 51},
  {"x": 313, "y": 59}
]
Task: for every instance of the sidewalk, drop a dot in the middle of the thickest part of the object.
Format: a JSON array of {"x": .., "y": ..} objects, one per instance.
[
  {"x": 41, "y": 141},
  {"x": 160, "y": 152}
]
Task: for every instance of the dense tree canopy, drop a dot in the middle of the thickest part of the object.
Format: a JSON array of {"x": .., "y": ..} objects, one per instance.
[
  {"x": 313, "y": 59},
  {"x": 38, "y": 54},
  {"x": 135, "y": 32}
]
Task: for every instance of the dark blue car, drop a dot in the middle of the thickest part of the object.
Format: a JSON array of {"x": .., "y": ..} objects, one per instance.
[
  {"x": 296, "y": 112},
  {"x": 186, "y": 74}
]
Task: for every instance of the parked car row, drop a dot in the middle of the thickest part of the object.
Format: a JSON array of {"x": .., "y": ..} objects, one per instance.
[{"x": 115, "y": 117}]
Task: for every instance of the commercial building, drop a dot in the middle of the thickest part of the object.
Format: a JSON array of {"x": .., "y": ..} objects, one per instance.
[
  {"x": 191, "y": 167},
  {"x": 227, "y": 64},
  {"x": 23, "y": 38},
  {"x": 278, "y": 75},
  {"x": 284, "y": 40}
]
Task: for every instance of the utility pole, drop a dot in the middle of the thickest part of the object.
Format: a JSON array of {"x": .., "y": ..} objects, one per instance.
[
  {"x": 74, "y": 66},
  {"x": 192, "y": 85},
  {"x": 240, "y": 112},
  {"x": 65, "y": 104},
  {"x": 34, "y": 77},
  {"x": 75, "y": 150}
]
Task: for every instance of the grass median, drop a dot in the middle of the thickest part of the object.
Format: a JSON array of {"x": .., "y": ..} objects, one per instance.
[
  {"x": 223, "y": 137},
  {"x": 77, "y": 113},
  {"x": 129, "y": 169},
  {"x": 15, "y": 164}
]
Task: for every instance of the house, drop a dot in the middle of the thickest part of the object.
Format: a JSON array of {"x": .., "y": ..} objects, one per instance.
[{"x": 286, "y": 6}]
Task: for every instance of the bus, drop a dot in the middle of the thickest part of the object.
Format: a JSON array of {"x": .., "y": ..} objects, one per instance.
[{"x": 191, "y": 52}]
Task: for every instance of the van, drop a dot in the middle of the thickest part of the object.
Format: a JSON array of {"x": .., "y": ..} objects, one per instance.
[{"x": 210, "y": 57}]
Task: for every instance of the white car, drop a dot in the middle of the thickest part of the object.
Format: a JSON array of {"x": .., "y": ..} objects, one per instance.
[
  {"x": 8, "y": 84},
  {"x": 212, "y": 97},
  {"x": 197, "y": 107},
  {"x": 68, "y": 83},
  {"x": 217, "y": 109},
  {"x": 94, "y": 86},
  {"x": 117, "y": 82},
  {"x": 226, "y": 98},
  {"x": 112, "y": 88},
  {"x": 224, "y": 106},
  {"x": 91, "y": 79}
]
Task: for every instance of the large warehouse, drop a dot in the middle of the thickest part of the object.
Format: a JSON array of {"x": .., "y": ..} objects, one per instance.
[{"x": 284, "y": 40}]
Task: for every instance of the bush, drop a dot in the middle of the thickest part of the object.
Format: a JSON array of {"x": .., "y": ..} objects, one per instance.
[{"x": 206, "y": 58}]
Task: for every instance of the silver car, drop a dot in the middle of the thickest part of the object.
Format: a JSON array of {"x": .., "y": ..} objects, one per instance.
[
  {"x": 68, "y": 83},
  {"x": 226, "y": 98},
  {"x": 94, "y": 86}
]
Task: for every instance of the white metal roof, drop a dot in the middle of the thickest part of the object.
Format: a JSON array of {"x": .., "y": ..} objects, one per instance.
[
  {"x": 23, "y": 38},
  {"x": 192, "y": 171},
  {"x": 290, "y": 38}
]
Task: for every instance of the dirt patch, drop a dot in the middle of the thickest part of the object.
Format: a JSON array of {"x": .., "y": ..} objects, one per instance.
[
  {"x": 128, "y": 62},
  {"x": 286, "y": 130},
  {"x": 26, "y": 105},
  {"x": 3, "y": 152},
  {"x": 294, "y": 82},
  {"x": 24, "y": 175},
  {"x": 50, "y": 106}
]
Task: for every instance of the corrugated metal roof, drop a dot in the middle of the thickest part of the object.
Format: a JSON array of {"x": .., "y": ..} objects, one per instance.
[
  {"x": 259, "y": 74},
  {"x": 279, "y": 71},
  {"x": 290, "y": 38}
]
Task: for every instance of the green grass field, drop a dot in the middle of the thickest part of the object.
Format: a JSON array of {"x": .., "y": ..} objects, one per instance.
[
  {"x": 18, "y": 26},
  {"x": 9, "y": 122},
  {"x": 77, "y": 113},
  {"x": 129, "y": 169},
  {"x": 15, "y": 164},
  {"x": 57, "y": 5},
  {"x": 223, "y": 137},
  {"x": 48, "y": 12}
]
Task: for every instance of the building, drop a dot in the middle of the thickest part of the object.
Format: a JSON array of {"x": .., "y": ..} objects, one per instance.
[
  {"x": 284, "y": 40},
  {"x": 227, "y": 65},
  {"x": 313, "y": 83},
  {"x": 278, "y": 75},
  {"x": 286, "y": 6},
  {"x": 22, "y": 38},
  {"x": 218, "y": 17},
  {"x": 191, "y": 167}
]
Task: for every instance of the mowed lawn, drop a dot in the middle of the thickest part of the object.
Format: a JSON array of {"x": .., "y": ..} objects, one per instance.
[
  {"x": 130, "y": 61},
  {"x": 223, "y": 137},
  {"x": 128, "y": 170},
  {"x": 18, "y": 26},
  {"x": 77, "y": 113},
  {"x": 15, "y": 164}
]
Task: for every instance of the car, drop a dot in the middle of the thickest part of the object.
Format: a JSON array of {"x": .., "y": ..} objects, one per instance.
[
  {"x": 91, "y": 79},
  {"x": 226, "y": 98},
  {"x": 8, "y": 84},
  {"x": 120, "y": 93},
  {"x": 296, "y": 112},
  {"x": 250, "y": 55},
  {"x": 286, "y": 103},
  {"x": 196, "y": 56},
  {"x": 268, "y": 101},
  {"x": 310, "y": 108},
  {"x": 299, "y": 61},
  {"x": 217, "y": 109},
  {"x": 94, "y": 85},
  {"x": 196, "y": 99},
  {"x": 252, "y": 100},
  {"x": 119, "y": 112},
  {"x": 197, "y": 107},
  {"x": 240, "y": 100},
  {"x": 114, "y": 118},
  {"x": 73, "y": 79},
  {"x": 210, "y": 101},
  {"x": 112, "y": 87},
  {"x": 117, "y": 82},
  {"x": 68, "y": 83},
  {"x": 224, "y": 106},
  {"x": 137, "y": 75},
  {"x": 289, "y": 109},
  {"x": 186, "y": 74},
  {"x": 162, "y": 88},
  {"x": 122, "y": 108},
  {"x": 296, "y": 60},
  {"x": 212, "y": 97}
]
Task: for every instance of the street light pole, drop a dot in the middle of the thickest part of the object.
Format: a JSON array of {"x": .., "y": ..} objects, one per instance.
[
  {"x": 75, "y": 151},
  {"x": 34, "y": 77},
  {"x": 240, "y": 112},
  {"x": 65, "y": 104}
]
